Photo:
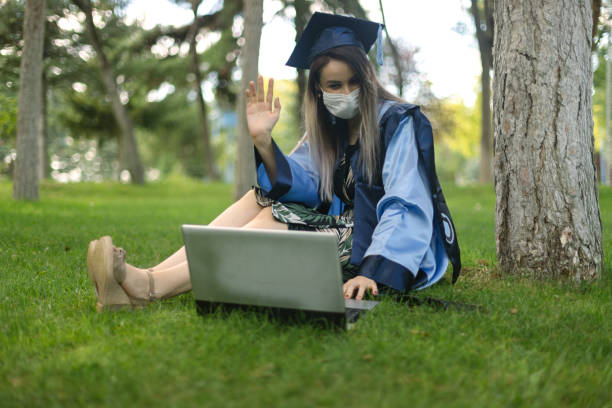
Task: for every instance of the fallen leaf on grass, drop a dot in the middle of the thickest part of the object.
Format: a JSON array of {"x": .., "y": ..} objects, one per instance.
[
  {"x": 419, "y": 332},
  {"x": 513, "y": 310}
]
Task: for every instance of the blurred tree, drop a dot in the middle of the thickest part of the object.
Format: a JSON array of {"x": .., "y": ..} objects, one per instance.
[
  {"x": 596, "y": 7},
  {"x": 12, "y": 15},
  {"x": 302, "y": 15},
  {"x": 253, "y": 21},
  {"x": 130, "y": 157},
  {"x": 482, "y": 13},
  {"x": 217, "y": 21},
  {"x": 398, "y": 61},
  {"x": 150, "y": 67},
  {"x": 29, "y": 116},
  {"x": 195, "y": 69},
  {"x": 213, "y": 66}
]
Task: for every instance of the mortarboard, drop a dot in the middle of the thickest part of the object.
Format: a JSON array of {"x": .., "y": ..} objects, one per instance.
[{"x": 325, "y": 31}]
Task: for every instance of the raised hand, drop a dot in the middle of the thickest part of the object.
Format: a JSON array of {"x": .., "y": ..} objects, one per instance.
[{"x": 262, "y": 113}]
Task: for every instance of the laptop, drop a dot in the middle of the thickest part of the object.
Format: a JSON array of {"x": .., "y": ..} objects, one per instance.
[{"x": 290, "y": 273}]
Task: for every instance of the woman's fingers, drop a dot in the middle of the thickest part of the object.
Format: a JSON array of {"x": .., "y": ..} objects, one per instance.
[
  {"x": 348, "y": 290},
  {"x": 252, "y": 92},
  {"x": 277, "y": 105},
  {"x": 360, "y": 292},
  {"x": 270, "y": 94},
  {"x": 260, "y": 89},
  {"x": 256, "y": 95},
  {"x": 360, "y": 284}
]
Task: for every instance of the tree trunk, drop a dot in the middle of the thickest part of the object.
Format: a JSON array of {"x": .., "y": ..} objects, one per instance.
[
  {"x": 195, "y": 68},
  {"x": 29, "y": 116},
  {"x": 547, "y": 219},
  {"x": 129, "y": 155},
  {"x": 245, "y": 165},
  {"x": 302, "y": 82},
  {"x": 596, "y": 6},
  {"x": 302, "y": 15},
  {"x": 485, "y": 120},
  {"x": 484, "y": 23}
]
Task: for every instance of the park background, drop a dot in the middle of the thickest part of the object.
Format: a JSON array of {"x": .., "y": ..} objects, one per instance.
[
  {"x": 543, "y": 342},
  {"x": 147, "y": 46}
]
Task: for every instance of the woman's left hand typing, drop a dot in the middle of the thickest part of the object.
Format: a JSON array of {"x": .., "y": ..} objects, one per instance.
[{"x": 359, "y": 284}]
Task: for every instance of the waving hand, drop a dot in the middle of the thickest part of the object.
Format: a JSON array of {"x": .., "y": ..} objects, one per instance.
[{"x": 262, "y": 112}]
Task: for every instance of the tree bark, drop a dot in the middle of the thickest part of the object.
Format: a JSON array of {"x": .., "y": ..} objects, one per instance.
[
  {"x": 128, "y": 153},
  {"x": 195, "y": 68},
  {"x": 547, "y": 220},
  {"x": 302, "y": 15},
  {"x": 29, "y": 115},
  {"x": 484, "y": 35},
  {"x": 245, "y": 165}
]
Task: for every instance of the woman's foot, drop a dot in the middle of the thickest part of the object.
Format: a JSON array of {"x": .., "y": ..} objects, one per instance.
[
  {"x": 100, "y": 265},
  {"x": 137, "y": 283}
]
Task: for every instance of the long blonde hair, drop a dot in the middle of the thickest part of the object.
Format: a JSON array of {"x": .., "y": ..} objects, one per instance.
[{"x": 325, "y": 143}]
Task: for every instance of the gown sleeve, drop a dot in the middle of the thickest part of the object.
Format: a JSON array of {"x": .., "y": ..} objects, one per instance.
[
  {"x": 404, "y": 241},
  {"x": 296, "y": 176}
]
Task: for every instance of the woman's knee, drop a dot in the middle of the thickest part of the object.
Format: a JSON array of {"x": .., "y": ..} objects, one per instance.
[
  {"x": 265, "y": 215},
  {"x": 265, "y": 219},
  {"x": 250, "y": 198}
]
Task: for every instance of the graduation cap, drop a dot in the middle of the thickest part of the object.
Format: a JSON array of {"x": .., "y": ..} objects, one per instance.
[{"x": 325, "y": 31}]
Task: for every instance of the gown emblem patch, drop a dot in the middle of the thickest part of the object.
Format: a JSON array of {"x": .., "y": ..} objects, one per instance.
[{"x": 449, "y": 232}]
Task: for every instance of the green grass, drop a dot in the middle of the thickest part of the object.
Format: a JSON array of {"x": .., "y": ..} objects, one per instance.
[{"x": 541, "y": 343}]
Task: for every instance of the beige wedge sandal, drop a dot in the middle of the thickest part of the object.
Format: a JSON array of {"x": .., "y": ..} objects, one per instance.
[
  {"x": 100, "y": 265},
  {"x": 90, "y": 257}
]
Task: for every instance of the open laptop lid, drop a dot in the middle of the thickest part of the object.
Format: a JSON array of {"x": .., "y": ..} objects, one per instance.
[{"x": 279, "y": 269}]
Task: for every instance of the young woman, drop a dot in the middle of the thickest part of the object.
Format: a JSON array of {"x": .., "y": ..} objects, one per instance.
[{"x": 358, "y": 172}]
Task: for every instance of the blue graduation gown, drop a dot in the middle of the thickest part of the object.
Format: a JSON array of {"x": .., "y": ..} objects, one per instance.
[{"x": 404, "y": 239}]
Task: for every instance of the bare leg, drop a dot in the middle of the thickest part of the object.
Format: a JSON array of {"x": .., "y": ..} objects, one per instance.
[
  {"x": 166, "y": 283},
  {"x": 236, "y": 215},
  {"x": 174, "y": 280},
  {"x": 265, "y": 220},
  {"x": 240, "y": 213}
]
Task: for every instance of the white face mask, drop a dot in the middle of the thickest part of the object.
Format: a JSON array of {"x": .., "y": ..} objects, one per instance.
[{"x": 342, "y": 105}]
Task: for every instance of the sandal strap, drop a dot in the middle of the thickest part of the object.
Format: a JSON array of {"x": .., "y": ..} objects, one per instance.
[{"x": 152, "y": 296}]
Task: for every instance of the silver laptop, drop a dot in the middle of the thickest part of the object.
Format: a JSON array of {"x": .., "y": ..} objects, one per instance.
[{"x": 282, "y": 271}]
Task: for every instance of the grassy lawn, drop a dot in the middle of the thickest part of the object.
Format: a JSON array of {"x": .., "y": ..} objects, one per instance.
[{"x": 540, "y": 343}]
